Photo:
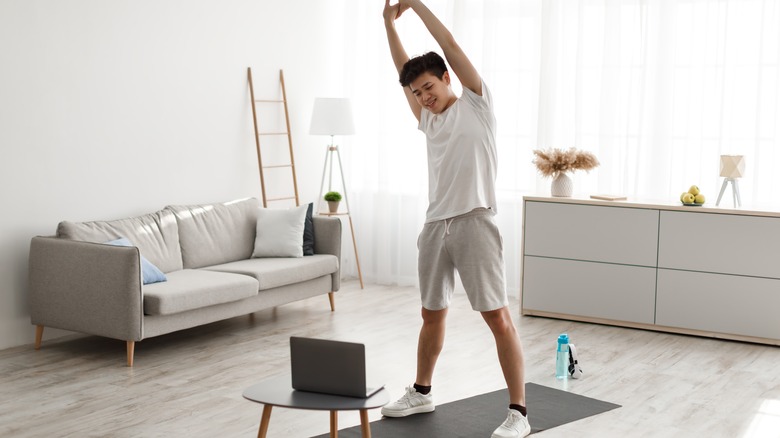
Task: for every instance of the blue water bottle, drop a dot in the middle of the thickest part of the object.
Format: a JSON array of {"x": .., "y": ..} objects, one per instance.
[{"x": 562, "y": 357}]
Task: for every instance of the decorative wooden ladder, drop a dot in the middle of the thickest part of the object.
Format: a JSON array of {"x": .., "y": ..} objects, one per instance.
[{"x": 259, "y": 134}]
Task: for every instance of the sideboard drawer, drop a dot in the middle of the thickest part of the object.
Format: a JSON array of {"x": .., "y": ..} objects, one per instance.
[
  {"x": 585, "y": 232},
  {"x": 722, "y": 243},
  {"x": 746, "y": 306},
  {"x": 596, "y": 290}
]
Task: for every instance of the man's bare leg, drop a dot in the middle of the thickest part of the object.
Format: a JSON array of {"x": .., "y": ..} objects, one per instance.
[
  {"x": 430, "y": 344},
  {"x": 418, "y": 398},
  {"x": 510, "y": 352}
]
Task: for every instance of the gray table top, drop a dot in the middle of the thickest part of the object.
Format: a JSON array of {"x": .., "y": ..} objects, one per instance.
[{"x": 278, "y": 391}]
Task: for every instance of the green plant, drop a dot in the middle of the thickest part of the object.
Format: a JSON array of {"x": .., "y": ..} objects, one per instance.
[{"x": 332, "y": 196}]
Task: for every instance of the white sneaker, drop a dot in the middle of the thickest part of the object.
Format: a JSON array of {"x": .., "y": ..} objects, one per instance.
[
  {"x": 410, "y": 403},
  {"x": 515, "y": 426}
]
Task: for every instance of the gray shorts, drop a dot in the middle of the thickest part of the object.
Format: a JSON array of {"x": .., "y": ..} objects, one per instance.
[{"x": 472, "y": 245}]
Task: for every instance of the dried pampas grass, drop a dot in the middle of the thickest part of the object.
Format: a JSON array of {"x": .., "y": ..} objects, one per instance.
[{"x": 551, "y": 162}]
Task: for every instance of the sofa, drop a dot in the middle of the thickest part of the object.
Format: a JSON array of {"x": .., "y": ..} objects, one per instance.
[{"x": 82, "y": 280}]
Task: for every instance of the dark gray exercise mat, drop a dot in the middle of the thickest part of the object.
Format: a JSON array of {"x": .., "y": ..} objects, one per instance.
[{"x": 478, "y": 416}]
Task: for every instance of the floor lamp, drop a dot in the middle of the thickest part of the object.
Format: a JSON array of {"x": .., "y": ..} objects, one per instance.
[
  {"x": 333, "y": 116},
  {"x": 732, "y": 167}
]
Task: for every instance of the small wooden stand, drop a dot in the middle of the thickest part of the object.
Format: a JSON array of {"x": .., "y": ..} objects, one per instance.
[{"x": 328, "y": 169}]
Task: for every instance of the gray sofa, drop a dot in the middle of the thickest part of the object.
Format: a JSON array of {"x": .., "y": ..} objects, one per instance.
[{"x": 78, "y": 283}]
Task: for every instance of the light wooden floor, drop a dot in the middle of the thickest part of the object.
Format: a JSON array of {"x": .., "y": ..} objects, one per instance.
[{"x": 189, "y": 384}]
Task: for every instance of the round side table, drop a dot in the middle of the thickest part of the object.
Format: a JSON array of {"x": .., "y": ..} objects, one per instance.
[{"x": 278, "y": 391}]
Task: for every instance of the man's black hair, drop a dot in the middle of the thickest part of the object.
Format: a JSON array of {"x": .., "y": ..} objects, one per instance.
[{"x": 430, "y": 62}]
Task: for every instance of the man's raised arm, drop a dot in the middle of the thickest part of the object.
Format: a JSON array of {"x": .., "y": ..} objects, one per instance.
[
  {"x": 459, "y": 62},
  {"x": 390, "y": 14}
]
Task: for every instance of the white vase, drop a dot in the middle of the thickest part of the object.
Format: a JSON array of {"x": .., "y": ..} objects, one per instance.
[{"x": 562, "y": 185}]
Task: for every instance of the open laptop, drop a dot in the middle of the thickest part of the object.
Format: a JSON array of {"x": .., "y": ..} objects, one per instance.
[{"x": 329, "y": 367}]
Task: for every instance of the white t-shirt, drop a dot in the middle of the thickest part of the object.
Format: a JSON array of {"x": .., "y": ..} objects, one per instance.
[{"x": 461, "y": 156}]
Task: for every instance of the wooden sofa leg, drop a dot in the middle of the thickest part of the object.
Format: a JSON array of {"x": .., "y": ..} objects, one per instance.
[
  {"x": 332, "y": 302},
  {"x": 130, "y": 352},
  {"x": 38, "y": 336}
]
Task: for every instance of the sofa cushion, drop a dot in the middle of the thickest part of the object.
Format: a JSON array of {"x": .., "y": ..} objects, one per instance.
[
  {"x": 156, "y": 235},
  {"x": 194, "y": 288},
  {"x": 212, "y": 234},
  {"x": 280, "y": 232},
  {"x": 277, "y": 272}
]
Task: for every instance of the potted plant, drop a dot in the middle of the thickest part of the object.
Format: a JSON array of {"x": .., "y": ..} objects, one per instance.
[
  {"x": 557, "y": 162},
  {"x": 333, "y": 199}
]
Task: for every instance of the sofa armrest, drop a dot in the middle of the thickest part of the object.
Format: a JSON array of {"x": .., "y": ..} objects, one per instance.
[
  {"x": 327, "y": 240},
  {"x": 86, "y": 287}
]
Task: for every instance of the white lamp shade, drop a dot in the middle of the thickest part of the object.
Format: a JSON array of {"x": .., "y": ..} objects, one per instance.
[
  {"x": 332, "y": 116},
  {"x": 732, "y": 166}
]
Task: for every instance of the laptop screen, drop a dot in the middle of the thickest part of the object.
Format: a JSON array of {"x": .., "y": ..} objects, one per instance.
[{"x": 329, "y": 367}]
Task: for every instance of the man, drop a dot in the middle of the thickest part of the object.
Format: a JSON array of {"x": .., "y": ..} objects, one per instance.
[{"x": 459, "y": 232}]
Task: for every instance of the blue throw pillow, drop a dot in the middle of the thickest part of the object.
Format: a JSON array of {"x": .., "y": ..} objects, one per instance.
[{"x": 149, "y": 272}]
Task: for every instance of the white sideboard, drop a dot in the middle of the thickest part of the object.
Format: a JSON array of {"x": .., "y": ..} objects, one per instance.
[{"x": 693, "y": 270}]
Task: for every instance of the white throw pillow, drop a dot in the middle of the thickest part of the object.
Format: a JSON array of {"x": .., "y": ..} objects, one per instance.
[{"x": 280, "y": 232}]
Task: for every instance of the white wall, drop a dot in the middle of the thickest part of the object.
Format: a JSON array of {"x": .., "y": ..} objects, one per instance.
[{"x": 113, "y": 108}]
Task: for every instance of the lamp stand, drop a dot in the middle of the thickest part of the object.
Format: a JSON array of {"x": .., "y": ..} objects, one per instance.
[
  {"x": 328, "y": 169},
  {"x": 735, "y": 191}
]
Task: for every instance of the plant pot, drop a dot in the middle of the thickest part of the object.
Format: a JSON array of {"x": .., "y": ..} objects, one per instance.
[
  {"x": 333, "y": 206},
  {"x": 562, "y": 186}
]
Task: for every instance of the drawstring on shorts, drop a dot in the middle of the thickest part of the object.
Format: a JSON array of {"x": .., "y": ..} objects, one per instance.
[
  {"x": 448, "y": 222},
  {"x": 447, "y": 227}
]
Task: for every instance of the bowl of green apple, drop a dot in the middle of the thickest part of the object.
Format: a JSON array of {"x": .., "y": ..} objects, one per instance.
[{"x": 693, "y": 197}]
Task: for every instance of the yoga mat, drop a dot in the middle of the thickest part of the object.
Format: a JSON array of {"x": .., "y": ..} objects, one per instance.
[{"x": 478, "y": 416}]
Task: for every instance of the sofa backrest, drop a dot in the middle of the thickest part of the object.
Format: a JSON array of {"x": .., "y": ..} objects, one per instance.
[
  {"x": 212, "y": 234},
  {"x": 156, "y": 235}
]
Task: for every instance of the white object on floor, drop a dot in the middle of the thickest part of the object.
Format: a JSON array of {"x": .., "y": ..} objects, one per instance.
[{"x": 575, "y": 372}]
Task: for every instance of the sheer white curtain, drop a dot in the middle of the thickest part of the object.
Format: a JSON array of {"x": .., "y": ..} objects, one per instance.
[
  {"x": 660, "y": 89},
  {"x": 657, "y": 89}
]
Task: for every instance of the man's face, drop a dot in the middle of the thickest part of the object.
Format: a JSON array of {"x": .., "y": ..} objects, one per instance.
[{"x": 433, "y": 93}]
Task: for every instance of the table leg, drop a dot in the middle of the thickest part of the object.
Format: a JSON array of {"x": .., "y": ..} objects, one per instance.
[
  {"x": 265, "y": 419},
  {"x": 365, "y": 426},
  {"x": 334, "y": 424}
]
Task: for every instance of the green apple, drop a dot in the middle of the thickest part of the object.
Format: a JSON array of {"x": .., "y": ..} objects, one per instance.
[
  {"x": 682, "y": 196},
  {"x": 699, "y": 199},
  {"x": 688, "y": 198},
  {"x": 694, "y": 190}
]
